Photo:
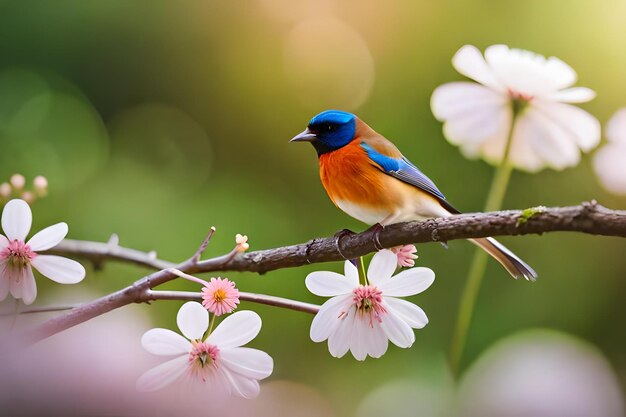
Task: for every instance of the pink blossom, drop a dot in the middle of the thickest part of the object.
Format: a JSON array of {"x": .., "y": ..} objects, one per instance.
[
  {"x": 220, "y": 296},
  {"x": 406, "y": 255}
]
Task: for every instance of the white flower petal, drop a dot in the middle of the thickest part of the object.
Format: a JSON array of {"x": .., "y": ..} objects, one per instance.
[
  {"x": 162, "y": 375},
  {"x": 580, "y": 125},
  {"x": 5, "y": 281},
  {"x": 413, "y": 315},
  {"x": 398, "y": 331},
  {"x": 16, "y": 219},
  {"x": 459, "y": 99},
  {"x": 4, "y": 242},
  {"x": 610, "y": 166},
  {"x": 19, "y": 282},
  {"x": 377, "y": 341},
  {"x": 521, "y": 155},
  {"x": 48, "y": 237},
  {"x": 480, "y": 125},
  {"x": 59, "y": 269},
  {"x": 236, "y": 330},
  {"x": 529, "y": 73},
  {"x": 561, "y": 74},
  {"x": 240, "y": 385},
  {"x": 616, "y": 127},
  {"x": 382, "y": 267},
  {"x": 192, "y": 320},
  {"x": 328, "y": 284},
  {"x": 327, "y": 319},
  {"x": 548, "y": 140},
  {"x": 29, "y": 287},
  {"x": 165, "y": 342},
  {"x": 339, "y": 341},
  {"x": 472, "y": 113},
  {"x": 351, "y": 273},
  {"x": 368, "y": 338},
  {"x": 573, "y": 95},
  {"x": 359, "y": 341},
  {"x": 250, "y": 363},
  {"x": 470, "y": 62},
  {"x": 16, "y": 279},
  {"x": 408, "y": 282}
]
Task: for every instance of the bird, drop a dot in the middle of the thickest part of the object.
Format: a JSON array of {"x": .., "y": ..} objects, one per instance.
[{"x": 367, "y": 177}]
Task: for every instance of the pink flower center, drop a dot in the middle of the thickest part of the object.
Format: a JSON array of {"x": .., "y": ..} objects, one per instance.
[
  {"x": 519, "y": 96},
  {"x": 203, "y": 358},
  {"x": 368, "y": 300},
  {"x": 17, "y": 254}
]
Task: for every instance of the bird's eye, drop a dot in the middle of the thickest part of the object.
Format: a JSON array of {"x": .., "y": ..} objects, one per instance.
[{"x": 330, "y": 128}]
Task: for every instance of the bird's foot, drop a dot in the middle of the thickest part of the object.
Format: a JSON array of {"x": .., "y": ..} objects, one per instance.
[
  {"x": 338, "y": 237},
  {"x": 375, "y": 231}
]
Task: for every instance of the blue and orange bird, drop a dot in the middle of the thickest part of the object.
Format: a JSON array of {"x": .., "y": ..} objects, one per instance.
[{"x": 368, "y": 178}]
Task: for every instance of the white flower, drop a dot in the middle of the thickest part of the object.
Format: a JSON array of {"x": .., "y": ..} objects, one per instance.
[
  {"x": 547, "y": 132},
  {"x": 218, "y": 361},
  {"x": 17, "y": 255},
  {"x": 362, "y": 318},
  {"x": 610, "y": 161}
]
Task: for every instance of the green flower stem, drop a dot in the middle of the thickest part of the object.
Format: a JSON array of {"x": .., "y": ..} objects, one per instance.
[
  {"x": 479, "y": 262},
  {"x": 362, "y": 274},
  {"x": 211, "y": 325}
]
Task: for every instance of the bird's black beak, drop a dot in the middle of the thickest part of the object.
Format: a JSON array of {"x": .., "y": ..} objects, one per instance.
[{"x": 306, "y": 136}]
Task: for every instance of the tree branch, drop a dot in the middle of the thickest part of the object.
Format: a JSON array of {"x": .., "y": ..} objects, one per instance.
[{"x": 586, "y": 218}]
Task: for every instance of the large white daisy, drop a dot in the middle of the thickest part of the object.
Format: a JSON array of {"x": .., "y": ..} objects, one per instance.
[{"x": 547, "y": 132}]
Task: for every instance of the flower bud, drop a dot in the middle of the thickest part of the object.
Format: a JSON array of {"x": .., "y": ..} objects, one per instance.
[
  {"x": 5, "y": 190},
  {"x": 28, "y": 197},
  {"x": 241, "y": 241},
  {"x": 40, "y": 183},
  {"x": 17, "y": 181}
]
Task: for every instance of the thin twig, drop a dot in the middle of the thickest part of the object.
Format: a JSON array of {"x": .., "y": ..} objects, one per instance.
[
  {"x": 244, "y": 296},
  {"x": 152, "y": 295},
  {"x": 203, "y": 246}
]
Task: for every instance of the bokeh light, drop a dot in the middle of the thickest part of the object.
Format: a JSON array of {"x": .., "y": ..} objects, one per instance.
[
  {"x": 158, "y": 119},
  {"x": 541, "y": 373},
  {"x": 48, "y": 125},
  {"x": 328, "y": 64}
]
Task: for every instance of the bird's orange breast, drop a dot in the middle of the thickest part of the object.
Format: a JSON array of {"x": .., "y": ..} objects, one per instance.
[{"x": 348, "y": 175}]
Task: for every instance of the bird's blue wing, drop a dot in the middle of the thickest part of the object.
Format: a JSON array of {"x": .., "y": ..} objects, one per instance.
[{"x": 402, "y": 169}]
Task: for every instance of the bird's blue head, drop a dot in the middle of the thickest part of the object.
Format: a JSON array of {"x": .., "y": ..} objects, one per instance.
[{"x": 329, "y": 131}]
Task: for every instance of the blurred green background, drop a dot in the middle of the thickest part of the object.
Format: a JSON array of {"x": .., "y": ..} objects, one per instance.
[{"x": 156, "y": 119}]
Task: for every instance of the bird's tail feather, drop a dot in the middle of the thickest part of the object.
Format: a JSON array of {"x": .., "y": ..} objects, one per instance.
[{"x": 514, "y": 265}]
